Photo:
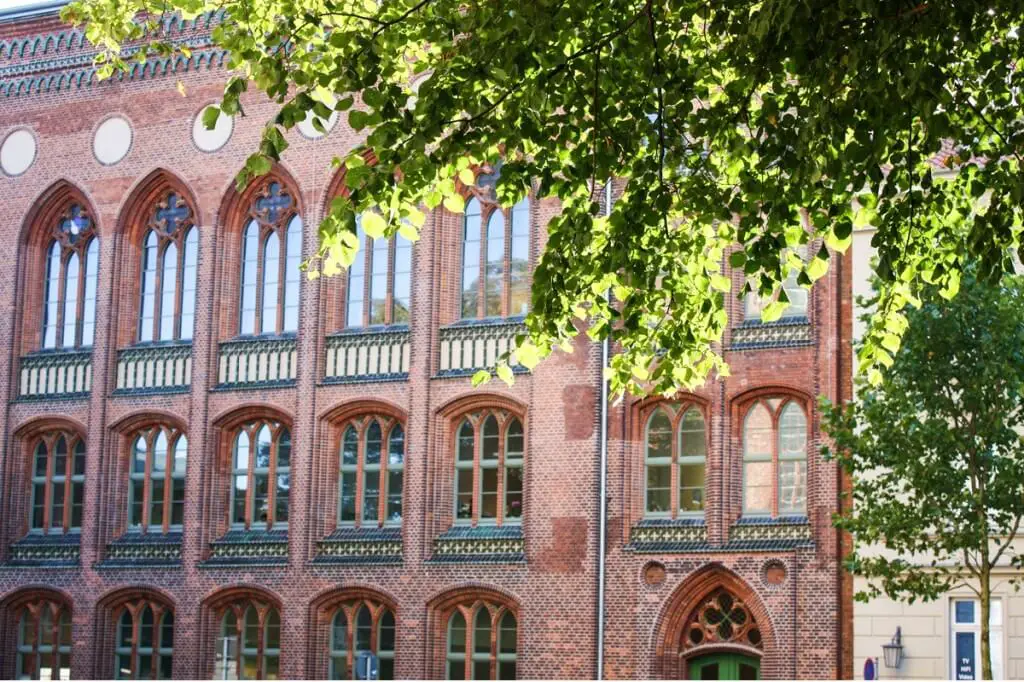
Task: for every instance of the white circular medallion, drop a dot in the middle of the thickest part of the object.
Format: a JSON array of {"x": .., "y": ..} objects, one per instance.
[
  {"x": 212, "y": 140},
  {"x": 307, "y": 129},
  {"x": 17, "y": 152},
  {"x": 112, "y": 141}
]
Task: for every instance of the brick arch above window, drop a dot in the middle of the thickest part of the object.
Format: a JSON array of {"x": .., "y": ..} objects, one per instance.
[
  {"x": 26, "y": 612},
  {"x": 158, "y": 265},
  {"x": 261, "y": 218},
  {"x": 670, "y": 644},
  {"x": 135, "y": 630},
  {"x": 224, "y": 611},
  {"x": 467, "y": 604},
  {"x": 340, "y": 627},
  {"x": 50, "y": 469},
  {"x": 60, "y": 239},
  {"x": 478, "y": 400}
]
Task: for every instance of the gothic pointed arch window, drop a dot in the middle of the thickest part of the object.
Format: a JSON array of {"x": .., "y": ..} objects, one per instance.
[
  {"x": 261, "y": 475},
  {"x": 775, "y": 458},
  {"x": 495, "y": 259},
  {"x": 44, "y": 641},
  {"x": 379, "y": 281},
  {"x": 371, "y": 469},
  {"x": 170, "y": 257},
  {"x": 271, "y": 256},
  {"x": 675, "y": 456},
  {"x": 156, "y": 491},
  {"x": 721, "y": 618},
  {"x": 489, "y": 468},
  {"x": 69, "y": 286},
  {"x": 58, "y": 483},
  {"x": 248, "y": 646},
  {"x": 362, "y": 626},
  {"x": 482, "y": 642},
  {"x": 144, "y": 640}
]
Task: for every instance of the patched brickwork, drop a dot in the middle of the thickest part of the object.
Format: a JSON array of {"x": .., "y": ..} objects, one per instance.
[{"x": 542, "y": 569}]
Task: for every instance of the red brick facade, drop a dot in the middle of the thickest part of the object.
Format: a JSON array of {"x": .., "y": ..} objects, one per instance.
[{"x": 795, "y": 592}]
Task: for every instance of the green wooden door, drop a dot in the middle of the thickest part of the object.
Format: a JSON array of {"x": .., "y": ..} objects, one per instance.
[{"x": 725, "y": 667}]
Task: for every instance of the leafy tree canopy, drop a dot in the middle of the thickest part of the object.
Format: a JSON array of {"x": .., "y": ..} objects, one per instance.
[{"x": 742, "y": 131}]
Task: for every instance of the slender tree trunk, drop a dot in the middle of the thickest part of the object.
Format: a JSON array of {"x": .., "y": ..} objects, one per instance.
[{"x": 986, "y": 606}]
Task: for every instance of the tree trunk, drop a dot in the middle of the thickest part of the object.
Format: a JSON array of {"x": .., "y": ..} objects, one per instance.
[{"x": 986, "y": 605}]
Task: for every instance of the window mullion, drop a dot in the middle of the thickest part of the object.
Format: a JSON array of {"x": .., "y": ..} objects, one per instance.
[
  {"x": 261, "y": 633},
  {"x": 158, "y": 288},
  {"x": 250, "y": 486},
  {"x": 367, "y": 282},
  {"x": 282, "y": 271},
  {"x": 48, "y": 488},
  {"x": 260, "y": 250},
  {"x": 389, "y": 295},
  {"x": 499, "y": 504},
  {"x": 272, "y": 481},
  {"x": 83, "y": 274},
  {"x": 169, "y": 482},
  {"x": 360, "y": 488},
  {"x": 179, "y": 283},
  {"x": 470, "y": 632},
  {"x": 481, "y": 304},
  {"x": 147, "y": 483},
  {"x": 55, "y": 638},
  {"x": 506, "y": 270},
  {"x": 69, "y": 463},
  {"x": 474, "y": 516},
  {"x": 382, "y": 483},
  {"x": 133, "y": 669},
  {"x": 775, "y": 463},
  {"x": 674, "y": 468},
  {"x": 62, "y": 291}
]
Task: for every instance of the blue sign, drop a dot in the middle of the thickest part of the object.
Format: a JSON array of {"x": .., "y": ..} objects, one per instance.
[
  {"x": 367, "y": 667},
  {"x": 869, "y": 670},
  {"x": 964, "y": 663}
]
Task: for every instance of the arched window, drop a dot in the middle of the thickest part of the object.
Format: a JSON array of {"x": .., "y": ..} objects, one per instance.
[
  {"x": 489, "y": 469},
  {"x": 485, "y": 651},
  {"x": 169, "y": 269},
  {"x": 69, "y": 298},
  {"x": 362, "y": 626},
  {"x": 44, "y": 642},
  {"x": 249, "y": 646},
  {"x": 156, "y": 496},
  {"x": 372, "y": 461},
  {"x": 796, "y": 294},
  {"x": 379, "y": 281},
  {"x": 261, "y": 478},
  {"x": 675, "y": 456},
  {"x": 500, "y": 288},
  {"x": 271, "y": 255},
  {"x": 775, "y": 458},
  {"x": 145, "y": 641},
  {"x": 58, "y": 481}
]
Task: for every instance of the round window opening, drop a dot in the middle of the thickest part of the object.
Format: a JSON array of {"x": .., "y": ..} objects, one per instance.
[{"x": 721, "y": 618}]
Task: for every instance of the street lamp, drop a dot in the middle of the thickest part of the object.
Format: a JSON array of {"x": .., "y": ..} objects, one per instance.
[{"x": 893, "y": 651}]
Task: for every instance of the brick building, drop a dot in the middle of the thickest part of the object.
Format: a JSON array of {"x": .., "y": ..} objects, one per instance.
[{"x": 212, "y": 466}]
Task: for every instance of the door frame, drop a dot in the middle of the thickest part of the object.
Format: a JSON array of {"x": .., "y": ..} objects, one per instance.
[{"x": 729, "y": 656}]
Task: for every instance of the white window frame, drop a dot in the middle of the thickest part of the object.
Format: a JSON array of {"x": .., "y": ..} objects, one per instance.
[{"x": 995, "y": 633}]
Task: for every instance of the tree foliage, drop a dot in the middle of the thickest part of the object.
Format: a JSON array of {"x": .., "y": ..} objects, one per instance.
[
  {"x": 742, "y": 130},
  {"x": 936, "y": 451}
]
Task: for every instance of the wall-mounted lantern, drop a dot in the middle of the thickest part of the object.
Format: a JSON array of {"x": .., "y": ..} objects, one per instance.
[{"x": 893, "y": 651}]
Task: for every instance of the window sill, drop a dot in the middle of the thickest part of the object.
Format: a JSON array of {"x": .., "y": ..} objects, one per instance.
[
  {"x": 372, "y": 329},
  {"x": 46, "y": 551},
  {"x": 496, "y": 321},
  {"x": 480, "y": 544},
  {"x": 136, "y": 549},
  {"x": 350, "y": 545}
]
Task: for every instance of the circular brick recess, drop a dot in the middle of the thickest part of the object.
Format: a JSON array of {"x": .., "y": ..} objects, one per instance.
[
  {"x": 774, "y": 573},
  {"x": 654, "y": 573},
  {"x": 112, "y": 140},
  {"x": 212, "y": 140},
  {"x": 18, "y": 152}
]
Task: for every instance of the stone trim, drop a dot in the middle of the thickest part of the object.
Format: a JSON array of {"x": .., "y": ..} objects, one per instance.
[
  {"x": 46, "y": 551},
  {"x": 360, "y": 546},
  {"x": 785, "y": 333},
  {"x": 249, "y": 548},
  {"x": 143, "y": 550},
  {"x": 489, "y": 544}
]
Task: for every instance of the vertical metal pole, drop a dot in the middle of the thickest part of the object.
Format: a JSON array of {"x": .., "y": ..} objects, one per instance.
[{"x": 602, "y": 499}]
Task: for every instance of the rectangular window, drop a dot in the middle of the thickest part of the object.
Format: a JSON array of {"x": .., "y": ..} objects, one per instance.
[{"x": 965, "y": 639}]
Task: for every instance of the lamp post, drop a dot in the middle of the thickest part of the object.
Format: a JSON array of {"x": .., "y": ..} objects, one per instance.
[{"x": 893, "y": 651}]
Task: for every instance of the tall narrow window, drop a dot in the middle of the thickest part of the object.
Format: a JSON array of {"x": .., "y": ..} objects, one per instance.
[
  {"x": 261, "y": 479},
  {"x": 44, "y": 642},
  {"x": 69, "y": 296},
  {"x": 775, "y": 458},
  {"x": 271, "y": 255},
  {"x": 502, "y": 289},
  {"x": 482, "y": 643},
  {"x": 379, "y": 281},
  {"x": 489, "y": 469},
  {"x": 145, "y": 641},
  {"x": 168, "y": 282},
  {"x": 372, "y": 461},
  {"x": 58, "y": 480},
  {"x": 249, "y": 646},
  {"x": 675, "y": 456},
  {"x": 156, "y": 496},
  {"x": 361, "y": 626},
  {"x": 965, "y": 639}
]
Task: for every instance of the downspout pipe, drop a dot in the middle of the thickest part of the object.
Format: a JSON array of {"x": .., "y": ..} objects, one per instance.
[{"x": 602, "y": 499}]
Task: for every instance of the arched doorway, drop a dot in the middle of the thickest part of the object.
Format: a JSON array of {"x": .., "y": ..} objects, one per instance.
[{"x": 714, "y": 627}]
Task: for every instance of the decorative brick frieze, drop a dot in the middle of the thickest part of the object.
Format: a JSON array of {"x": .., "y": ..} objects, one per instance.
[
  {"x": 367, "y": 355},
  {"x": 143, "y": 550},
  {"x": 156, "y": 368},
  {"x": 785, "y": 333},
  {"x": 784, "y": 532},
  {"x": 258, "y": 362},
  {"x": 55, "y": 375},
  {"x": 249, "y": 548},
  {"x": 491, "y": 544},
  {"x": 360, "y": 546},
  {"x": 668, "y": 535},
  {"x": 469, "y": 346},
  {"x": 45, "y": 551}
]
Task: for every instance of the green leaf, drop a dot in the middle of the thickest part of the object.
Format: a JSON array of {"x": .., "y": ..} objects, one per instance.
[
  {"x": 481, "y": 377},
  {"x": 455, "y": 203},
  {"x": 505, "y": 373},
  {"x": 373, "y": 224},
  {"x": 528, "y": 355}
]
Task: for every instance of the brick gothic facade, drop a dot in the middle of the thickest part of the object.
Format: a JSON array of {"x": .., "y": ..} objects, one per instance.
[{"x": 784, "y": 593}]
